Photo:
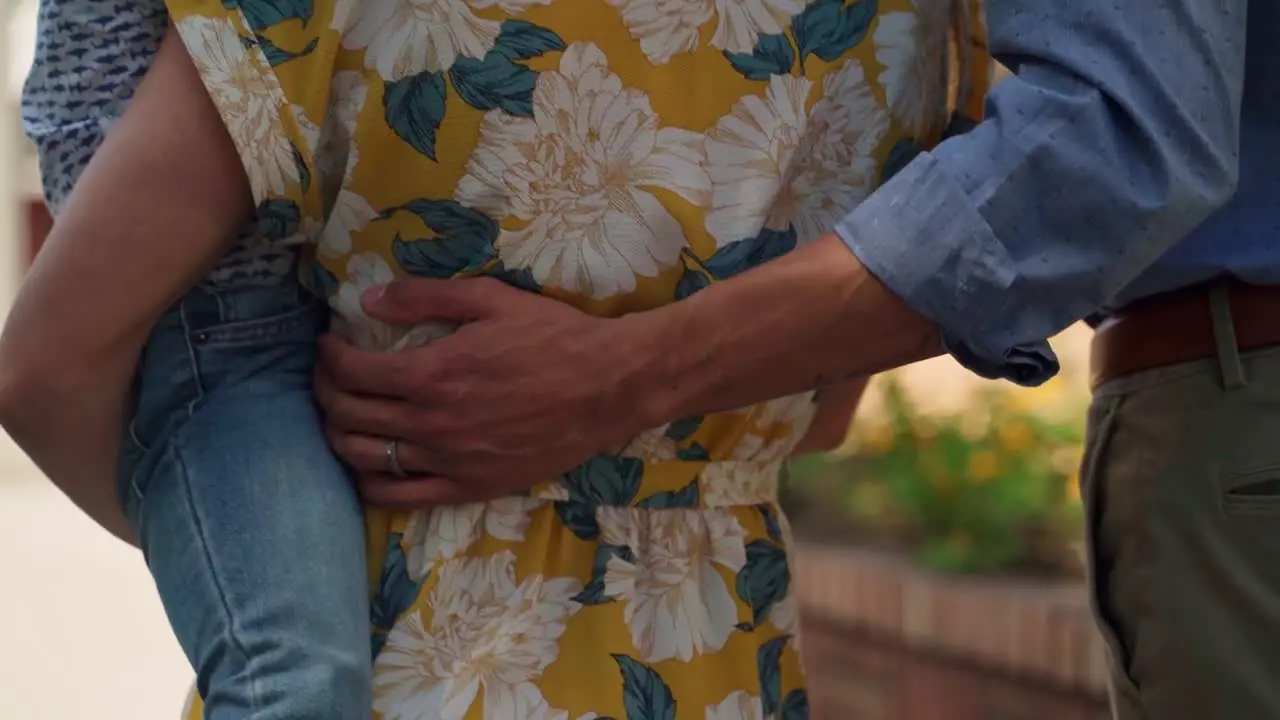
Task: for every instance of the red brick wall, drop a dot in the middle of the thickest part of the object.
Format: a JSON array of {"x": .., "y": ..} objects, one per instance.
[
  {"x": 855, "y": 676},
  {"x": 884, "y": 640}
]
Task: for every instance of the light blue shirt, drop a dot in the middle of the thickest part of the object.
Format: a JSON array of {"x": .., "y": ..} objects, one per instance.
[{"x": 1104, "y": 172}]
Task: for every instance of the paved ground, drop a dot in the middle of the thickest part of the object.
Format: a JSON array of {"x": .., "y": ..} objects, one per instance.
[{"x": 82, "y": 635}]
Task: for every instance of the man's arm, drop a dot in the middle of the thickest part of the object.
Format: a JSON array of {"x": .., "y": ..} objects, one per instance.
[
  {"x": 158, "y": 204},
  {"x": 1117, "y": 137}
]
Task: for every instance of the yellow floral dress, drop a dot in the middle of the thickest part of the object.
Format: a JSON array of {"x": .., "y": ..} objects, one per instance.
[{"x": 616, "y": 155}]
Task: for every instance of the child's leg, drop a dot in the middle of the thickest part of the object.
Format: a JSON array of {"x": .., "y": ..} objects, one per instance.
[{"x": 249, "y": 525}]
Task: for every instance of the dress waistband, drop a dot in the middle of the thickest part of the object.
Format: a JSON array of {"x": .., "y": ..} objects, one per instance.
[{"x": 617, "y": 481}]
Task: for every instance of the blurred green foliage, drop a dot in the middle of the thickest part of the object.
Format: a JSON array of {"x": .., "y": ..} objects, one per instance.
[{"x": 991, "y": 489}]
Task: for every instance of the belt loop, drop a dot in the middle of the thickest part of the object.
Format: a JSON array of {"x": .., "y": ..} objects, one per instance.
[{"x": 1224, "y": 337}]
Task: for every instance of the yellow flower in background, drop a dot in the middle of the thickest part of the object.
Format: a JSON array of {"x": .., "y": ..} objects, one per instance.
[
  {"x": 960, "y": 542},
  {"x": 1073, "y": 486},
  {"x": 925, "y": 430},
  {"x": 1016, "y": 435},
  {"x": 1066, "y": 459},
  {"x": 879, "y": 438},
  {"x": 984, "y": 465},
  {"x": 1035, "y": 399},
  {"x": 975, "y": 422}
]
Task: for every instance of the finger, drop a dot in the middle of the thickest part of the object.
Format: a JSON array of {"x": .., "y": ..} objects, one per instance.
[
  {"x": 361, "y": 371},
  {"x": 365, "y": 414},
  {"x": 413, "y": 301},
  {"x": 368, "y": 454},
  {"x": 386, "y": 491}
]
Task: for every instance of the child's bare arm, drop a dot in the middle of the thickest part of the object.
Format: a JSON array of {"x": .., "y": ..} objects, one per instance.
[
  {"x": 156, "y": 207},
  {"x": 836, "y": 405}
]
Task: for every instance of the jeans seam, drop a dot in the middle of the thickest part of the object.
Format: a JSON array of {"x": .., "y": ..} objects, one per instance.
[
  {"x": 194, "y": 360},
  {"x": 199, "y": 524}
]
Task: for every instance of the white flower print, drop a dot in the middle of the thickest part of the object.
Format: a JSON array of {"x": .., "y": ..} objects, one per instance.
[
  {"x": 350, "y": 213},
  {"x": 652, "y": 445},
  {"x": 575, "y": 174},
  {"x": 666, "y": 28},
  {"x": 773, "y": 164},
  {"x": 556, "y": 491},
  {"x": 486, "y": 632},
  {"x": 248, "y": 98},
  {"x": 402, "y": 38},
  {"x": 911, "y": 47},
  {"x": 442, "y": 533},
  {"x": 760, "y": 444},
  {"x": 310, "y": 131},
  {"x": 364, "y": 271},
  {"x": 785, "y": 616},
  {"x": 739, "y": 483},
  {"x": 677, "y": 603},
  {"x": 739, "y": 705},
  {"x": 335, "y": 153}
]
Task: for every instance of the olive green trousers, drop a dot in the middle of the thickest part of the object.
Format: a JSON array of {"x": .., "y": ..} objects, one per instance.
[{"x": 1181, "y": 483}]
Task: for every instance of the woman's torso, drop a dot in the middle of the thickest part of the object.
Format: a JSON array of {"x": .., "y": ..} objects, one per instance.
[{"x": 616, "y": 156}]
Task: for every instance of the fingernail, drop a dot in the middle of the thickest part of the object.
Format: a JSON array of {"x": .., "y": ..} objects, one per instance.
[{"x": 374, "y": 294}]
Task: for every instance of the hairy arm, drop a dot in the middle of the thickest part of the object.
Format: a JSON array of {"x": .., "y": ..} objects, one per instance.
[
  {"x": 1115, "y": 138},
  {"x": 156, "y": 207}
]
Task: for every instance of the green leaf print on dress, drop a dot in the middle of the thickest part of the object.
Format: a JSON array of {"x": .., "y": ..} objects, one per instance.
[
  {"x": 518, "y": 278},
  {"x": 414, "y": 108},
  {"x": 644, "y": 695},
  {"x": 594, "y": 592},
  {"x": 683, "y": 429},
  {"x": 796, "y": 706},
  {"x": 902, "y": 153},
  {"x": 262, "y": 14},
  {"x": 395, "y": 594},
  {"x": 278, "y": 219},
  {"x": 829, "y": 28},
  {"x": 732, "y": 259},
  {"x": 742, "y": 255},
  {"x": 764, "y": 581},
  {"x": 769, "y": 668},
  {"x": 603, "y": 481},
  {"x": 690, "y": 282},
  {"x": 772, "y": 55},
  {"x": 277, "y": 55},
  {"x": 320, "y": 280},
  {"x": 497, "y": 82},
  {"x": 463, "y": 242}
]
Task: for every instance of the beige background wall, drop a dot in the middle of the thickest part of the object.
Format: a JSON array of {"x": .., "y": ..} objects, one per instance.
[{"x": 942, "y": 385}]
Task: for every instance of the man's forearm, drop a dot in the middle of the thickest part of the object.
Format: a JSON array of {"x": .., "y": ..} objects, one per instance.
[{"x": 810, "y": 319}]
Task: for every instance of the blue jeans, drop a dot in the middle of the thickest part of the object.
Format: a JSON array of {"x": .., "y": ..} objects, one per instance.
[{"x": 249, "y": 524}]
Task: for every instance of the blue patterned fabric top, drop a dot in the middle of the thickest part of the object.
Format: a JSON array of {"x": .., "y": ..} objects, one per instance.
[{"x": 90, "y": 56}]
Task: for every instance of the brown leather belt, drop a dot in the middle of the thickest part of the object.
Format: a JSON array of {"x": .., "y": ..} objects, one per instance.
[{"x": 1177, "y": 327}]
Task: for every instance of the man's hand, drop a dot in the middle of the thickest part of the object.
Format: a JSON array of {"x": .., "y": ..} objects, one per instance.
[{"x": 525, "y": 389}]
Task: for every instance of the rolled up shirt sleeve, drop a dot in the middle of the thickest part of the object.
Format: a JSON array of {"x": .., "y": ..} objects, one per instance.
[{"x": 1117, "y": 136}]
